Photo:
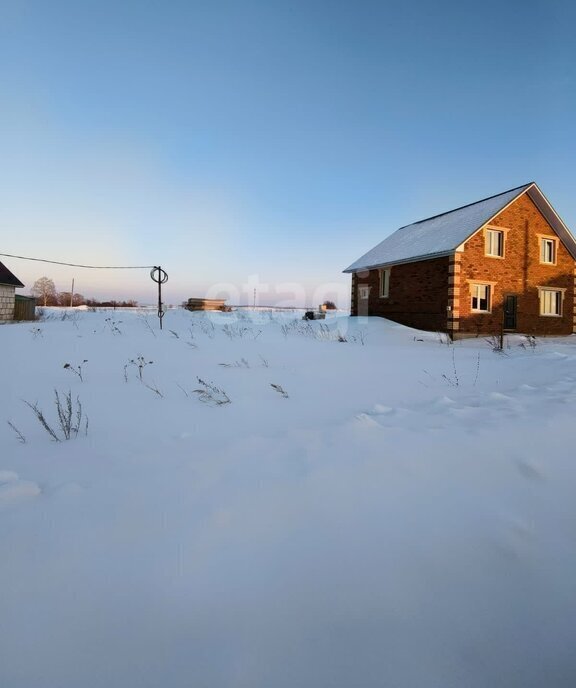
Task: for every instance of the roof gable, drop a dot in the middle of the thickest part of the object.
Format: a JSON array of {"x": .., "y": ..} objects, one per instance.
[
  {"x": 8, "y": 278},
  {"x": 442, "y": 234}
]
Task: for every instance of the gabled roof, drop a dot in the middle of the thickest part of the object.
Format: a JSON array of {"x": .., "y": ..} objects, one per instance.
[
  {"x": 442, "y": 234},
  {"x": 7, "y": 278}
]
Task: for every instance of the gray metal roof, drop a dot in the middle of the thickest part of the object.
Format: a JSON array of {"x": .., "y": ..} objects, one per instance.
[{"x": 442, "y": 234}]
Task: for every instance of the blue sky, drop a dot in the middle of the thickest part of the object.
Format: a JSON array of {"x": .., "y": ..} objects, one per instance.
[{"x": 268, "y": 143}]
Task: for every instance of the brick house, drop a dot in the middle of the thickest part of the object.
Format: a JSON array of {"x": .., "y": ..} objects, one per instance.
[
  {"x": 507, "y": 261},
  {"x": 8, "y": 285}
]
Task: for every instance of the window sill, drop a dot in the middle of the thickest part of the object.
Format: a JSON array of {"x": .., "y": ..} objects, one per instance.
[
  {"x": 489, "y": 255},
  {"x": 550, "y": 315}
]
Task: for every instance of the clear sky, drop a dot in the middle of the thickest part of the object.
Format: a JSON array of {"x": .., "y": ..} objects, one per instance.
[{"x": 269, "y": 142}]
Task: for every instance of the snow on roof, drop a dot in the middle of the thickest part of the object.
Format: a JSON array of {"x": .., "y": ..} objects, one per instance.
[
  {"x": 435, "y": 236},
  {"x": 6, "y": 277}
]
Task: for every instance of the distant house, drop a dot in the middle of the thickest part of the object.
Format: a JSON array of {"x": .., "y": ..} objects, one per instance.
[
  {"x": 505, "y": 262},
  {"x": 8, "y": 285}
]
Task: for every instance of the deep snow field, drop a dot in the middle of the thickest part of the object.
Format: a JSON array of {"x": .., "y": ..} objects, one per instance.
[{"x": 402, "y": 516}]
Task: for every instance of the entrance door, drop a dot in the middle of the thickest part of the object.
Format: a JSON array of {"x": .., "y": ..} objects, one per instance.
[{"x": 510, "y": 311}]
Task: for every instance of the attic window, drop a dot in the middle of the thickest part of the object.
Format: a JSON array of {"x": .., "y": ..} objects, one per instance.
[
  {"x": 494, "y": 245},
  {"x": 548, "y": 250}
]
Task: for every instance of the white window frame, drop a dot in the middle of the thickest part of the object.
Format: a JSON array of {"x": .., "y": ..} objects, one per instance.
[
  {"x": 551, "y": 308},
  {"x": 544, "y": 242},
  {"x": 474, "y": 294},
  {"x": 363, "y": 292},
  {"x": 490, "y": 234},
  {"x": 384, "y": 283}
]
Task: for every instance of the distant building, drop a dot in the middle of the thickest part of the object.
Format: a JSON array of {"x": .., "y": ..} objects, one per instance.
[
  {"x": 8, "y": 285},
  {"x": 505, "y": 262},
  {"x": 194, "y": 304}
]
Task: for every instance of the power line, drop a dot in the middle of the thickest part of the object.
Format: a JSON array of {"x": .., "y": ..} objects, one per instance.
[
  {"x": 76, "y": 265},
  {"x": 156, "y": 273}
]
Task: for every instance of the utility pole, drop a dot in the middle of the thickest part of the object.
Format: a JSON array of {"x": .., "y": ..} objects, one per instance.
[
  {"x": 160, "y": 277},
  {"x": 72, "y": 294}
]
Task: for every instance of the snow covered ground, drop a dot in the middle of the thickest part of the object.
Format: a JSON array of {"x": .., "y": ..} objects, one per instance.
[{"x": 396, "y": 512}]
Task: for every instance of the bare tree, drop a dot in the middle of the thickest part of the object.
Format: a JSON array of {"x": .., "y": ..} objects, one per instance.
[
  {"x": 44, "y": 289},
  {"x": 65, "y": 298}
]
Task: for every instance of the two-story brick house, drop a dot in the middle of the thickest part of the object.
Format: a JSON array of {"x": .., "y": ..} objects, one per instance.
[{"x": 507, "y": 261}]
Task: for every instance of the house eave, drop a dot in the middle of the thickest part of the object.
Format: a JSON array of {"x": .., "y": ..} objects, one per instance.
[
  {"x": 414, "y": 259},
  {"x": 531, "y": 190},
  {"x": 555, "y": 221}
]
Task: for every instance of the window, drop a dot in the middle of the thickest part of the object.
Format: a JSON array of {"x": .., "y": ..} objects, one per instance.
[
  {"x": 494, "y": 243},
  {"x": 384, "y": 283},
  {"x": 548, "y": 250},
  {"x": 363, "y": 291},
  {"x": 480, "y": 297},
  {"x": 550, "y": 302}
]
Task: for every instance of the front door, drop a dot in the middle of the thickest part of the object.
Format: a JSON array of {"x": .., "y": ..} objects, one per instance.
[{"x": 510, "y": 311}]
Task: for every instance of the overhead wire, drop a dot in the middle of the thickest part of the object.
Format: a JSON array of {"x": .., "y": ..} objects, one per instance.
[
  {"x": 77, "y": 265},
  {"x": 156, "y": 273}
]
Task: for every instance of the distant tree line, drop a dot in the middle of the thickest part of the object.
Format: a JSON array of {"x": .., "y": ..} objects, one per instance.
[
  {"x": 94, "y": 303},
  {"x": 45, "y": 292}
]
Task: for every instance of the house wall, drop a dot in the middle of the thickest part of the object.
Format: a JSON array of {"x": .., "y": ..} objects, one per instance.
[
  {"x": 6, "y": 302},
  {"x": 418, "y": 294},
  {"x": 436, "y": 294},
  {"x": 519, "y": 272},
  {"x": 24, "y": 308}
]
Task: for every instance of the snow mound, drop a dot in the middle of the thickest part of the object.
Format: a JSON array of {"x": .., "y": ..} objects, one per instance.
[
  {"x": 17, "y": 490},
  {"x": 7, "y": 477},
  {"x": 403, "y": 517}
]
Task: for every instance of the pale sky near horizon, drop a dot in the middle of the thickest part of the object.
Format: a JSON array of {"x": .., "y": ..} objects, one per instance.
[{"x": 263, "y": 143}]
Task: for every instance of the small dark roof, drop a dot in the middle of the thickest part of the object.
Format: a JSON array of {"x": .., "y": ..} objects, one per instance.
[{"x": 6, "y": 277}]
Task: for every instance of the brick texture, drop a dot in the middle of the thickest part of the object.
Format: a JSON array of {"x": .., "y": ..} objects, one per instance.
[
  {"x": 418, "y": 294},
  {"x": 6, "y": 303},
  {"x": 437, "y": 294},
  {"x": 519, "y": 273}
]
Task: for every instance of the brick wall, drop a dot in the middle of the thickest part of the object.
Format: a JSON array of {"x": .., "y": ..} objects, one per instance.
[
  {"x": 417, "y": 296},
  {"x": 6, "y": 303},
  {"x": 518, "y": 273},
  {"x": 436, "y": 294}
]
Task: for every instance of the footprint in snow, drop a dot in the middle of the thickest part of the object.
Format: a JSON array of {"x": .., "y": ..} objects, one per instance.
[
  {"x": 560, "y": 386},
  {"x": 67, "y": 490},
  {"x": 530, "y": 469},
  {"x": 472, "y": 413},
  {"x": 498, "y": 396},
  {"x": 381, "y": 410},
  {"x": 367, "y": 419},
  {"x": 521, "y": 529},
  {"x": 13, "y": 490},
  {"x": 7, "y": 477},
  {"x": 386, "y": 414},
  {"x": 441, "y": 405},
  {"x": 527, "y": 388}
]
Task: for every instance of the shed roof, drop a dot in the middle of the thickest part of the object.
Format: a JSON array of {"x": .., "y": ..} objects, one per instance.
[
  {"x": 440, "y": 235},
  {"x": 7, "y": 278}
]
